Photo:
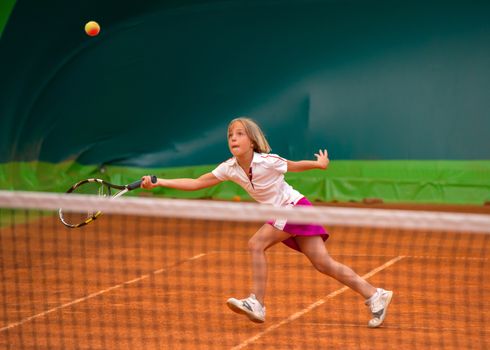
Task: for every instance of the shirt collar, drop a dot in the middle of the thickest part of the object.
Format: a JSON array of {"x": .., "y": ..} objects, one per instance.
[{"x": 257, "y": 158}]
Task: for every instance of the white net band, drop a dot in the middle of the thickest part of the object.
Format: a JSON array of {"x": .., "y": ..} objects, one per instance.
[{"x": 251, "y": 212}]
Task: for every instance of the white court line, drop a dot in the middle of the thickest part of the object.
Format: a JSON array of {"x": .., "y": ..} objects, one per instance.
[
  {"x": 314, "y": 305},
  {"x": 93, "y": 295}
]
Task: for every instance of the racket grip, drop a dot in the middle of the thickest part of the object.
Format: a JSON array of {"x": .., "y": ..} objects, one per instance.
[{"x": 137, "y": 184}]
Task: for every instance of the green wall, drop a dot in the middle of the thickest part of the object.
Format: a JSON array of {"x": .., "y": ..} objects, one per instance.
[
  {"x": 372, "y": 81},
  {"x": 452, "y": 182}
]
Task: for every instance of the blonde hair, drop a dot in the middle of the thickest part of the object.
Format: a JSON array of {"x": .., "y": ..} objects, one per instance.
[{"x": 255, "y": 134}]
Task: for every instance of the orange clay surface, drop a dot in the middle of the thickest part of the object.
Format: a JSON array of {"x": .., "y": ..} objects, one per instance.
[{"x": 142, "y": 283}]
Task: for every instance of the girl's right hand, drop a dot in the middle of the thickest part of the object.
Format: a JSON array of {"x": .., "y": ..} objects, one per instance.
[{"x": 147, "y": 184}]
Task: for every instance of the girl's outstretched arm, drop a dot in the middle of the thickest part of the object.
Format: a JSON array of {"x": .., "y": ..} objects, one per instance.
[
  {"x": 321, "y": 162},
  {"x": 206, "y": 180}
]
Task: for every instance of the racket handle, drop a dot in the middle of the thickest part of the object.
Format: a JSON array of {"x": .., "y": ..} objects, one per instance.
[{"x": 137, "y": 184}]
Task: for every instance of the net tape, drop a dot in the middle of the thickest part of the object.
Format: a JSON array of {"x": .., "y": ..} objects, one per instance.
[{"x": 251, "y": 212}]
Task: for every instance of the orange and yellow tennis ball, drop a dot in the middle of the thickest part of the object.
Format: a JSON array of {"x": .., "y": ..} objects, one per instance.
[{"x": 92, "y": 28}]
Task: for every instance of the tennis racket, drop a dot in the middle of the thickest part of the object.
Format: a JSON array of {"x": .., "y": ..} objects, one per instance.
[{"x": 94, "y": 187}]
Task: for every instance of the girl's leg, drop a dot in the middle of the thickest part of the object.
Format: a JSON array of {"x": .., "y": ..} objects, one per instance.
[
  {"x": 253, "y": 306},
  {"x": 263, "y": 239},
  {"x": 314, "y": 249},
  {"x": 378, "y": 300}
]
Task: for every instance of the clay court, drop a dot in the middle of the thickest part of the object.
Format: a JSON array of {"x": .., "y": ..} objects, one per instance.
[{"x": 145, "y": 283}]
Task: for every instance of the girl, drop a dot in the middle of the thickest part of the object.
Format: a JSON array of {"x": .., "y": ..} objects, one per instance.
[{"x": 261, "y": 174}]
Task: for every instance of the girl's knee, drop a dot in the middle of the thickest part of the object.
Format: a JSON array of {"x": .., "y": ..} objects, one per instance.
[
  {"x": 325, "y": 266},
  {"x": 255, "y": 245}
]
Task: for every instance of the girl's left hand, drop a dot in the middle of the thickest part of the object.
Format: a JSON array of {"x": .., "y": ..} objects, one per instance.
[{"x": 322, "y": 159}]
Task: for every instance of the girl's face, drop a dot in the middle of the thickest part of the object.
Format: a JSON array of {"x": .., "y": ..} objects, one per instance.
[{"x": 238, "y": 140}]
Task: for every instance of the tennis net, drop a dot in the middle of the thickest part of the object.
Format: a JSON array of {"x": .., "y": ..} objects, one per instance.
[{"x": 156, "y": 273}]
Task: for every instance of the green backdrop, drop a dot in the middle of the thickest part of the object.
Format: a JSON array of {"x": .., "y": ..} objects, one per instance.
[{"x": 399, "y": 92}]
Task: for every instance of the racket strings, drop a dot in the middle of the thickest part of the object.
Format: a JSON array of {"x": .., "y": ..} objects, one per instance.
[{"x": 75, "y": 218}]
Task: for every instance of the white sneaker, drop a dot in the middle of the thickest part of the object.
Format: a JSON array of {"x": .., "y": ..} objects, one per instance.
[
  {"x": 378, "y": 304},
  {"x": 250, "y": 307}
]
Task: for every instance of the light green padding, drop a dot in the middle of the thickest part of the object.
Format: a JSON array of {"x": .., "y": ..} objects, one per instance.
[
  {"x": 42, "y": 176},
  {"x": 445, "y": 182},
  {"x": 6, "y": 7}
]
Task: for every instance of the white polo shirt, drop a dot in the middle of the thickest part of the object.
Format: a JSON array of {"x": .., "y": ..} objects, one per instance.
[{"x": 265, "y": 183}]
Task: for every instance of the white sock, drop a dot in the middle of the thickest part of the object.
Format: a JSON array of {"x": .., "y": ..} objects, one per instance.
[{"x": 374, "y": 296}]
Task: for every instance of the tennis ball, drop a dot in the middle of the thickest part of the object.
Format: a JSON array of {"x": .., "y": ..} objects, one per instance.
[
  {"x": 92, "y": 28},
  {"x": 237, "y": 198}
]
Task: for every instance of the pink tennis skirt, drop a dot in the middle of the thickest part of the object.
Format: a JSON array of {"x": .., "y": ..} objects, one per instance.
[{"x": 300, "y": 229}]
